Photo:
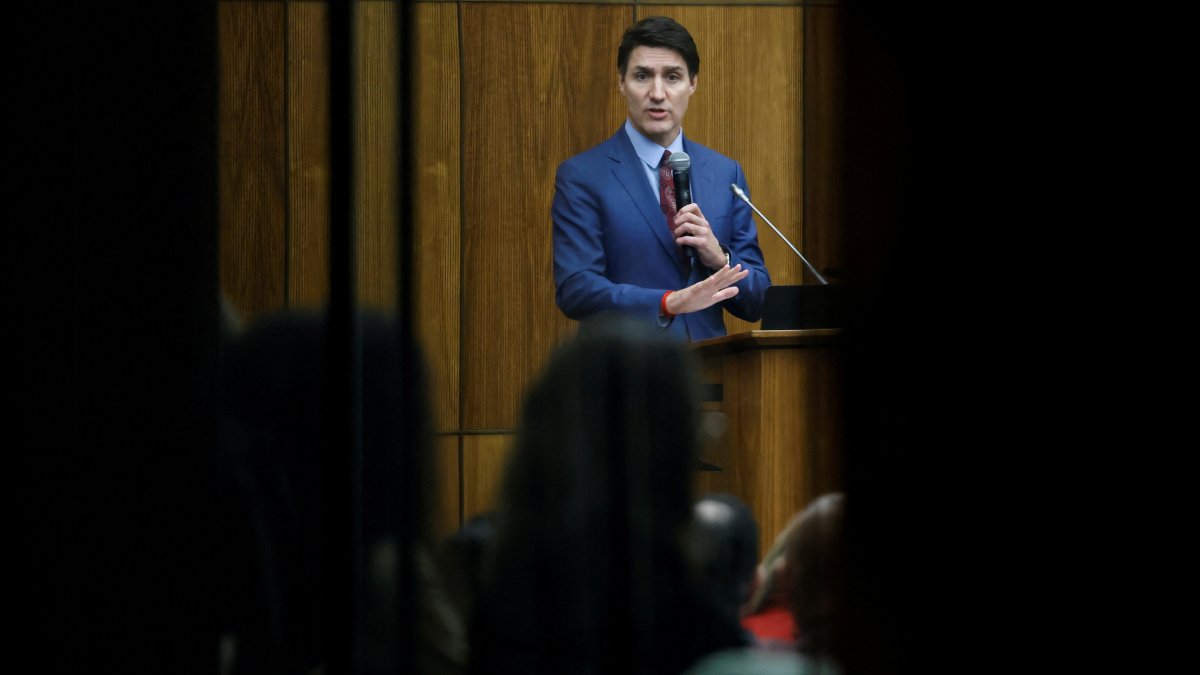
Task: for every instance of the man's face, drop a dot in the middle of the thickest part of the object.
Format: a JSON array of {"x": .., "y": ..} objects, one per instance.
[{"x": 656, "y": 88}]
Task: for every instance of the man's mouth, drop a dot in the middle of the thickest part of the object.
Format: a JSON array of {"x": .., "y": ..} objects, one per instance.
[{"x": 657, "y": 113}]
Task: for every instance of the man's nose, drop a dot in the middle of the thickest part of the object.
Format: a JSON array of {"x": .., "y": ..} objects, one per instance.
[{"x": 658, "y": 89}]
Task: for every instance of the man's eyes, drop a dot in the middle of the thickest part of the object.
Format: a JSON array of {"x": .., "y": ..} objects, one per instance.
[{"x": 670, "y": 77}]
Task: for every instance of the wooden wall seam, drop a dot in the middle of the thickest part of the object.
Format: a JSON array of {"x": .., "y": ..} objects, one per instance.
[
  {"x": 285, "y": 27},
  {"x": 460, "y": 420},
  {"x": 462, "y": 264}
]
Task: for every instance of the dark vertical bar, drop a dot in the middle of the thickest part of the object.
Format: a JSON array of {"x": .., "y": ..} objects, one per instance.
[
  {"x": 412, "y": 453},
  {"x": 805, "y": 91},
  {"x": 343, "y": 411},
  {"x": 941, "y": 420},
  {"x": 114, "y": 281},
  {"x": 288, "y": 197}
]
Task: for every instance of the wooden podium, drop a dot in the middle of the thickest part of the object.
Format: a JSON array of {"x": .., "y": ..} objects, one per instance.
[{"x": 773, "y": 416}]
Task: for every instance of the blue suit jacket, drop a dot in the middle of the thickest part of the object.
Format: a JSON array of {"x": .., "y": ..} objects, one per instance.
[{"x": 613, "y": 250}]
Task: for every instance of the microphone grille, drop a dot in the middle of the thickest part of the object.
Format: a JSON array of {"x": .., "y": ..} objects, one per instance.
[{"x": 679, "y": 161}]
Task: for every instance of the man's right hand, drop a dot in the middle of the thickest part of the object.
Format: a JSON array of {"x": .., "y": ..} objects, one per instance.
[{"x": 708, "y": 292}]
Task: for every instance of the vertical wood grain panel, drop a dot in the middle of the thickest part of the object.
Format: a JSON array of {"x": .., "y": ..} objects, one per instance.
[
  {"x": 742, "y": 404},
  {"x": 748, "y": 105},
  {"x": 308, "y": 144},
  {"x": 484, "y": 459},
  {"x": 540, "y": 86},
  {"x": 251, "y": 170},
  {"x": 445, "y": 515},
  {"x": 804, "y": 419},
  {"x": 782, "y": 404},
  {"x": 823, "y": 432},
  {"x": 785, "y": 418},
  {"x": 436, "y": 169},
  {"x": 823, "y": 245},
  {"x": 377, "y": 189}
]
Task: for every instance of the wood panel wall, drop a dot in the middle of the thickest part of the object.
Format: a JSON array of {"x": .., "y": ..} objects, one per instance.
[
  {"x": 252, "y": 134},
  {"x": 503, "y": 92},
  {"x": 307, "y": 159}
]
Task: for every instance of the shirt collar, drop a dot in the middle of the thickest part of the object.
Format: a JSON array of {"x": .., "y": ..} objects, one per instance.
[{"x": 648, "y": 151}]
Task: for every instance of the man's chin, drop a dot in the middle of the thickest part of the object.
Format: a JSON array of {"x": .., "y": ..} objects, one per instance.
[{"x": 657, "y": 129}]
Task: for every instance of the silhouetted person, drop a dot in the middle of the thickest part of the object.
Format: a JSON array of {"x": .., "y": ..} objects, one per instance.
[
  {"x": 815, "y": 563},
  {"x": 284, "y": 511},
  {"x": 451, "y": 583},
  {"x": 725, "y": 545},
  {"x": 803, "y": 572},
  {"x": 767, "y": 613},
  {"x": 589, "y": 573}
]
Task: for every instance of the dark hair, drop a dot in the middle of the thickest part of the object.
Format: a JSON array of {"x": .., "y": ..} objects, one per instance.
[
  {"x": 725, "y": 537},
  {"x": 816, "y": 563},
  {"x": 275, "y": 495},
  {"x": 659, "y": 31},
  {"x": 588, "y": 571}
]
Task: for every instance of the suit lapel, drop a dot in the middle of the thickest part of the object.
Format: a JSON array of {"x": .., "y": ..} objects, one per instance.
[{"x": 628, "y": 171}]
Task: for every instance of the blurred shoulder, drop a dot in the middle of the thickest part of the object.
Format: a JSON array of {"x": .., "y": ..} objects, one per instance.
[{"x": 759, "y": 661}]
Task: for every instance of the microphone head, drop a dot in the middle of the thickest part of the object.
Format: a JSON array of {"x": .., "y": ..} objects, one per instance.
[{"x": 679, "y": 161}]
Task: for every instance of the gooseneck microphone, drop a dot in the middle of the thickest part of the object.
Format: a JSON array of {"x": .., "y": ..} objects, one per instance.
[
  {"x": 742, "y": 195},
  {"x": 681, "y": 167}
]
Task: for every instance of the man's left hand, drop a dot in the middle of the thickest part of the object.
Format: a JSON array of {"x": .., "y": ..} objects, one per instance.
[{"x": 692, "y": 229}]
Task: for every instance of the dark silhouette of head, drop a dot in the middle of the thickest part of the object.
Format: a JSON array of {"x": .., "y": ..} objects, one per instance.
[
  {"x": 816, "y": 578},
  {"x": 278, "y": 492},
  {"x": 725, "y": 544},
  {"x": 588, "y": 573}
]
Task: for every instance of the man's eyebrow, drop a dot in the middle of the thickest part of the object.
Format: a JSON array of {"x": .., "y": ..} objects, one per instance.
[{"x": 666, "y": 69}]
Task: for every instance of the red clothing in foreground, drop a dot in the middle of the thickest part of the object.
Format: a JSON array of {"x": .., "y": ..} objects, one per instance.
[{"x": 773, "y": 623}]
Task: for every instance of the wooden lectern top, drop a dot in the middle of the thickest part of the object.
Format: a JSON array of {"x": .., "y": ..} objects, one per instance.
[{"x": 767, "y": 339}]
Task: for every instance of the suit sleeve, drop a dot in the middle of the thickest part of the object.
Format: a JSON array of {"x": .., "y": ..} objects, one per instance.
[
  {"x": 743, "y": 248},
  {"x": 581, "y": 287}
]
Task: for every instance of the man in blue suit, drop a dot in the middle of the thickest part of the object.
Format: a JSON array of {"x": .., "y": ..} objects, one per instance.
[{"x": 616, "y": 249}]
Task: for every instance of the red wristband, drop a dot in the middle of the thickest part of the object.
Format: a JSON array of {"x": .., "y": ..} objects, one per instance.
[{"x": 662, "y": 305}]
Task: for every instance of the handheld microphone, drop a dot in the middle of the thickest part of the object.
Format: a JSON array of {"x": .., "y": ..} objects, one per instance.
[
  {"x": 742, "y": 195},
  {"x": 681, "y": 166}
]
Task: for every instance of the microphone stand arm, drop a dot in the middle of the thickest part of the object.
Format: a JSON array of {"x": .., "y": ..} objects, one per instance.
[{"x": 742, "y": 195}]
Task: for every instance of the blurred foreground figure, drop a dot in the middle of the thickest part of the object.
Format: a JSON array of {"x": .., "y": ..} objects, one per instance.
[
  {"x": 797, "y": 609},
  {"x": 767, "y": 614},
  {"x": 725, "y": 548},
  {"x": 588, "y": 572},
  {"x": 816, "y": 562},
  {"x": 286, "y": 514}
]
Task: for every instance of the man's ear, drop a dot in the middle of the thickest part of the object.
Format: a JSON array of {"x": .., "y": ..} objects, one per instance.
[
  {"x": 694, "y": 78},
  {"x": 620, "y": 83}
]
